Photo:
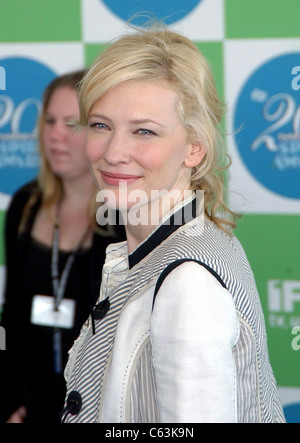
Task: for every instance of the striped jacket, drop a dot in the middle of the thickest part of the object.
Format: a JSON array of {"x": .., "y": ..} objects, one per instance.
[{"x": 199, "y": 355}]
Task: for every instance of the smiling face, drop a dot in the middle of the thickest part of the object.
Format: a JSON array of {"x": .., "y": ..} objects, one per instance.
[
  {"x": 63, "y": 146},
  {"x": 135, "y": 137}
]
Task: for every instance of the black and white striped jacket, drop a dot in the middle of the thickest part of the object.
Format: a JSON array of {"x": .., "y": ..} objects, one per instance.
[{"x": 199, "y": 355}]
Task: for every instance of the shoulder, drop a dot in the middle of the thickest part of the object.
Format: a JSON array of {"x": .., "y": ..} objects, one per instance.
[
  {"x": 222, "y": 252},
  {"x": 194, "y": 299},
  {"x": 194, "y": 280},
  {"x": 21, "y": 196},
  {"x": 17, "y": 206}
]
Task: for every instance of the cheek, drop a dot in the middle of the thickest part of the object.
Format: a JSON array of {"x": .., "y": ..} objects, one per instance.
[
  {"x": 154, "y": 158},
  {"x": 77, "y": 144},
  {"x": 92, "y": 151},
  {"x": 163, "y": 161},
  {"x": 45, "y": 137}
]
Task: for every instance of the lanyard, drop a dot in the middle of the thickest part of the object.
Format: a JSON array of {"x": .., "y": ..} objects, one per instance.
[{"x": 59, "y": 284}]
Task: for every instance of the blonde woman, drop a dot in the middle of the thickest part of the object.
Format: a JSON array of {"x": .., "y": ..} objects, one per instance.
[
  {"x": 178, "y": 332},
  {"x": 55, "y": 252}
]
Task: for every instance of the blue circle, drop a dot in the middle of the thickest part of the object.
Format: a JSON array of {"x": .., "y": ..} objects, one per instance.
[
  {"x": 20, "y": 104},
  {"x": 268, "y": 115},
  {"x": 292, "y": 413},
  {"x": 168, "y": 11}
]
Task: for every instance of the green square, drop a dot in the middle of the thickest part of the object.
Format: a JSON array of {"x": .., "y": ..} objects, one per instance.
[
  {"x": 92, "y": 51},
  {"x": 272, "y": 244},
  {"x": 40, "y": 20},
  {"x": 262, "y": 18}
]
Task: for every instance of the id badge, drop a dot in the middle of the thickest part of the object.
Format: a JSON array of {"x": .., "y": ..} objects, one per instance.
[{"x": 43, "y": 313}]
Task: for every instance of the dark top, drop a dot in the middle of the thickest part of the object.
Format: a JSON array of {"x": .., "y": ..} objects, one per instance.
[{"x": 27, "y": 366}]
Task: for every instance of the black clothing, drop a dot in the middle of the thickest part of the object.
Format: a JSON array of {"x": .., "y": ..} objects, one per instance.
[{"x": 27, "y": 365}]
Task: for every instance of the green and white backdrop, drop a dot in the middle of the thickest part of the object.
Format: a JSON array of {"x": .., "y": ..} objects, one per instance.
[{"x": 254, "y": 50}]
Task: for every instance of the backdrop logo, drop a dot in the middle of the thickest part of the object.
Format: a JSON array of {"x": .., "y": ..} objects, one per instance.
[
  {"x": 169, "y": 11},
  {"x": 20, "y": 105},
  {"x": 268, "y": 112},
  {"x": 284, "y": 303}
]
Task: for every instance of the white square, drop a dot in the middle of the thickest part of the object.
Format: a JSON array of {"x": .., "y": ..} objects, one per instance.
[
  {"x": 241, "y": 59},
  {"x": 99, "y": 24},
  {"x": 204, "y": 23},
  {"x": 54, "y": 58},
  {"x": 59, "y": 57}
]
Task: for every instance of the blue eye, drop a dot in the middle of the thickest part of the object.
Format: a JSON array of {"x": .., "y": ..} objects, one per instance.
[
  {"x": 144, "y": 131},
  {"x": 98, "y": 125}
]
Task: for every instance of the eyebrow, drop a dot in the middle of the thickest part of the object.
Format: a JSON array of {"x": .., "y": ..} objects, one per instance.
[
  {"x": 66, "y": 117},
  {"x": 135, "y": 121},
  {"x": 145, "y": 120}
]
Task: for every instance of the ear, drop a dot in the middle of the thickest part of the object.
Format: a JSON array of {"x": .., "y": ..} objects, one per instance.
[{"x": 196, "y": 154}]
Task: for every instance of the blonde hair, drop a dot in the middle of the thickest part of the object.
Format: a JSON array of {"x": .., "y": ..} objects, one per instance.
[
  {"x": 49, "y": 186},
  {"x": 159, "y": 54}
]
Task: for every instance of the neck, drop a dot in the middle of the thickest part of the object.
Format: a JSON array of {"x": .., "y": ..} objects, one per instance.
[
  {"x": 136, "y": 235},
  {"x": 78, "y": 191},
  {"x": 140, "y": 223}
]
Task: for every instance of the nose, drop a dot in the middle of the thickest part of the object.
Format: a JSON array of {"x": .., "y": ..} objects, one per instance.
[
  {"x": 117, "y": 149},
  {"x": 59, "y": 131}
]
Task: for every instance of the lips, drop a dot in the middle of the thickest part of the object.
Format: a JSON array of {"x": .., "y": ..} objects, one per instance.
[
  {"x": 115, "y": 179},
  {"x": 58, "y": 153}
]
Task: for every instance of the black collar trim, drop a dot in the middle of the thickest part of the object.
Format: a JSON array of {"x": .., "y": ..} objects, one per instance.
[{"x": 180, "y": 218}]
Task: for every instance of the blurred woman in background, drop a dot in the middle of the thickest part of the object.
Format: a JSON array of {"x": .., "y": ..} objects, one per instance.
[{"x": 54, "y": 254}]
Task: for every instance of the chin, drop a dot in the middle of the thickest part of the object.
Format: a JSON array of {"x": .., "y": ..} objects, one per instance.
[{"x": 58, "y": 172}]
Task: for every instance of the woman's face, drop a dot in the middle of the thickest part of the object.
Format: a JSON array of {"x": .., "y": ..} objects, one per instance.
[
  {"x": 63, "y": 146},
  {"x": 136, "y": 139}
]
